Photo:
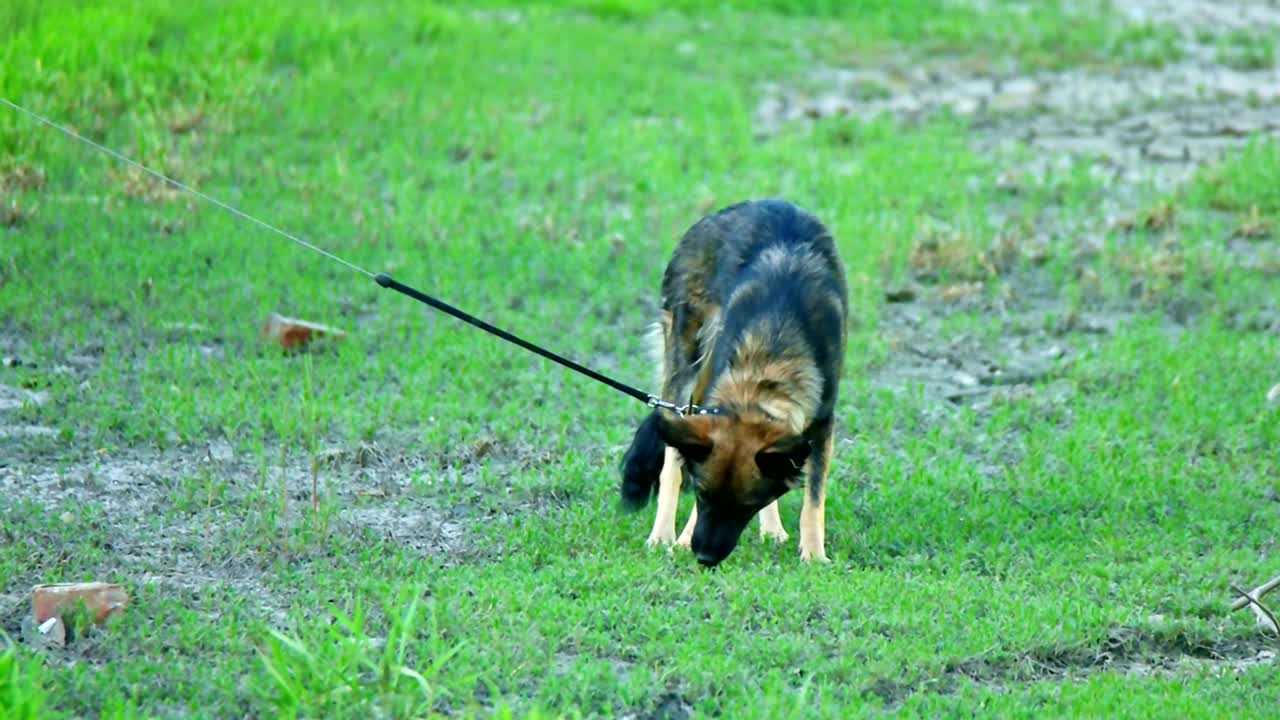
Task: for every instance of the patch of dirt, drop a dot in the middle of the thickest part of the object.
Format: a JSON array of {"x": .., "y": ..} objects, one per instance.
[
  {"x": 1190, "y": 14},
  {"x": 964, "y": 369},
  {"x": 18, "y": 177},
  {"x": 1125, "y": 651},
  {"x": 201, "y": 518},
  {"x": 1135, "y": 124},
  {"x": 13, "y": 399},
  {"x": 186, "y": 522},
  {"x": 1142, "y": 131}
]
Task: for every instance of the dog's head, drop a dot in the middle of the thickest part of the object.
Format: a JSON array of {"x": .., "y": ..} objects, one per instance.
[{"x": 737, "y": 464}]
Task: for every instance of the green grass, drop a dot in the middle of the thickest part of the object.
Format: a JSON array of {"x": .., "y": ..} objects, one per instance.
[
  {"x": 537, "y": 171},
  {"x": 1245, "y": 50},
  {"x": 1250, "y": 179},
  {"x": 22, "y": 692}
]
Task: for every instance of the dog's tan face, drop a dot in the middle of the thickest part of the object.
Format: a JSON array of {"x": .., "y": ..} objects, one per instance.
[{"x": 737, "y": 464}]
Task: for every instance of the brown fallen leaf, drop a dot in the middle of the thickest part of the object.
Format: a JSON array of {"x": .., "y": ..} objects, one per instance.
[
  {"x": 292, "y": 333},
  {"x": 186, "y": 122},
  {"x": 101, "y": 599},
  {"x": 1253, "y": 227},
  {"x": 14, "y": 215},
  {"x": 1160, "y": 216},
  {"x": 22, "y": 178}
]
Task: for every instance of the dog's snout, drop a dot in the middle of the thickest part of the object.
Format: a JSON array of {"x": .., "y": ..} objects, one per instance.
[{"x": 716, "y": 534}]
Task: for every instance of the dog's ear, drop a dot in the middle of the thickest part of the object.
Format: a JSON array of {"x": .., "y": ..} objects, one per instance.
[
  {"x": 690, "y": 436},
  {"x": 784, "y": 459}
]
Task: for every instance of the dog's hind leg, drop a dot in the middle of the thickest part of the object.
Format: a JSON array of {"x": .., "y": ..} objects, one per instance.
[
  {"x": 771, "y": 523},
  {"x": 686, "y": 536},
  {"x": 813, "y": 524},
  {"x": 664, "y": 523}
]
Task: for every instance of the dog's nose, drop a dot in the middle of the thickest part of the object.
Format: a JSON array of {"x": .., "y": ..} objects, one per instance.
[{"x": 707, "y": 559}]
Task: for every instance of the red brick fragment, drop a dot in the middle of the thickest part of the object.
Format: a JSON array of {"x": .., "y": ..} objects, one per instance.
[
  {"x": 101, "y": 599},
  {"x": 292, "y": 333}
]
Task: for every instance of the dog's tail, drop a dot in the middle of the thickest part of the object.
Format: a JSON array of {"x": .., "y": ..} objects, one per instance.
[{"x": 642, "y": 465}]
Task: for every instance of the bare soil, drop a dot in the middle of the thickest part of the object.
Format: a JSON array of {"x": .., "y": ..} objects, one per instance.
[
  {"x": 1142, "y": 131},
  {"x": 1125, "y": 651},
  {"x": 1135, "y": 124}
]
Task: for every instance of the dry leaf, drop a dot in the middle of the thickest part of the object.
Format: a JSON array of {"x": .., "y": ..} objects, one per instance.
[{"x": 1254, "y": 227}]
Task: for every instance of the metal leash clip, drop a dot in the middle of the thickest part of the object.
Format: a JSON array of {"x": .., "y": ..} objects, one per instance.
[{"x": 683, "y": 410}]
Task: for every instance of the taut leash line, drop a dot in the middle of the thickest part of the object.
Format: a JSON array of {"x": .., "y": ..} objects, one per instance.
[
  {"x": 391, "y": 283},
  {"x": 181, "y": 186},
  {"x": 382, "y": 279}
]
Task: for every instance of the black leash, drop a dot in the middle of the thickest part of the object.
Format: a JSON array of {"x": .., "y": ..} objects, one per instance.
[
  {"x": 391, "y": 283},
  {"x": 387, "y": 281}
]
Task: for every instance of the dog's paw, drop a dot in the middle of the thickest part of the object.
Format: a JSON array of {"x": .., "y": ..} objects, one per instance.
[
  {"x": 661, "y": 538},
  {"x": 811, "y": 555},
  {"x": 776, "y": 534}
]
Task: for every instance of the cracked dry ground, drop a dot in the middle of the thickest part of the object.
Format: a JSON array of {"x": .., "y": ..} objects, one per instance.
[{"x": 1141, "y": 133}]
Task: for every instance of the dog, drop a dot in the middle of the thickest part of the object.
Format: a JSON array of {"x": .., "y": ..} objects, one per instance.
[{"x": 753, "y": 327}]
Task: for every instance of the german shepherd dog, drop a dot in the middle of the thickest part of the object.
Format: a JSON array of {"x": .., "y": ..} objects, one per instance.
[{"x": 753, "y": 325}]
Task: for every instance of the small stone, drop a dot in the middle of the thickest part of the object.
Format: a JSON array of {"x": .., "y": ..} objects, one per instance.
[
  {"x": 1017, "y": 94},
  {"x": 51, "y": 633},
  {"x": 1273, "y": 396},
  {"x": 960, "y": 292},
  {"x": 221, "y": 451},
  {"x": 966, "y": 105},
  {"x": 829, "y": 106},
  {"x": 67, "y": 518},
  {"x": 183, "y": 327},
  {"x": 1168, "y": 150}
]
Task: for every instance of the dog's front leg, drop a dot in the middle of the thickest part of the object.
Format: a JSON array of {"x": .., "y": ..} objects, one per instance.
[
  {"x": 813, "y": 524},
  {"x": 664, "y": 523},
  {"x": 771, "y": 523}
]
